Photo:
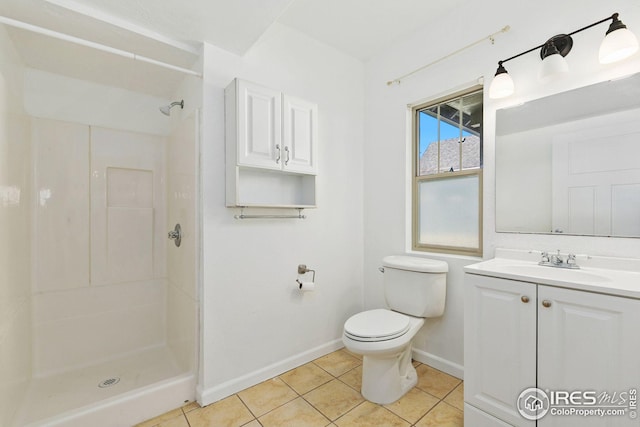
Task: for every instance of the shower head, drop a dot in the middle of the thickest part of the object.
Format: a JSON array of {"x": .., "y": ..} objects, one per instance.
[{"x": 166, "y": 109}]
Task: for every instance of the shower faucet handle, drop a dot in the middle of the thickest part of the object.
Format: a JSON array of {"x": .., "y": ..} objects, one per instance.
[{"x": 176, "y": 235}]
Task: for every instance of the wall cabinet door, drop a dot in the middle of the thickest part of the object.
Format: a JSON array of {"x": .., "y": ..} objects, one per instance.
[
  {"x": 587, "y": 342},
  {"x": 259, "y": 126},
  {"x": 499, "y": 345},
  {"x": 300, "y": 135}
]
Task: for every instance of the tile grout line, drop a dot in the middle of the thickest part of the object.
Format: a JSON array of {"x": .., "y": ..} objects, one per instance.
[
  {"x": 184, "y": 414},
  {"x": 352, "y": 409},
  {"x": 277, "y": 407},
  {"x": 301, "y": 396},
  {"x": 333, "y": 377},
  {"x": 245, "y": 405}
]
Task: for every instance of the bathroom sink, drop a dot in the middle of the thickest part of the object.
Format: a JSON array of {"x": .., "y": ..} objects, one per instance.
[
  {"x": 605, "y": 275},
  {"x": 554, "y": 273}
]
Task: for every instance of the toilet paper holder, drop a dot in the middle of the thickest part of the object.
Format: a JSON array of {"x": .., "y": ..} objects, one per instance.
[{"x": 302, "y": 269}]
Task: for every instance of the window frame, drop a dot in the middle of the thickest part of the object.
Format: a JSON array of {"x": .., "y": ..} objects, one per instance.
[{"x": 416, "y": 179}]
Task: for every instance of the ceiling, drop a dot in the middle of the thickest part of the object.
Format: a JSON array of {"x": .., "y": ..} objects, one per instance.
[{"x": 173, "y": 30}]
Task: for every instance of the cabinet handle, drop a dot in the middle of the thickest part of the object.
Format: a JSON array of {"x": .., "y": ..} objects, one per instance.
[
  {"x": 524, "y": 299},
  {"x": 546, "y": 303},
  {"x": 279, "y": 153},
  {"x": 286, "y": 150}
]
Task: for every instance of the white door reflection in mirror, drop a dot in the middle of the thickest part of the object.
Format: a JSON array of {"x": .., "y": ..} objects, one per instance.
[{"x": 596, "y": 176}]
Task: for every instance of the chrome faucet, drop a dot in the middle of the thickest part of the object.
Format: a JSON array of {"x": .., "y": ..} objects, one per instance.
[{"x": 556, "y": 260}]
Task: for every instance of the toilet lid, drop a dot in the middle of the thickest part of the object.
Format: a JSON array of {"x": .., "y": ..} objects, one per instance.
[{"x": 376, "y": 325}]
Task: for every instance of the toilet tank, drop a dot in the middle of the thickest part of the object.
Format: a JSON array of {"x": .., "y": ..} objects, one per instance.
[{"x": 415, "y": 286}]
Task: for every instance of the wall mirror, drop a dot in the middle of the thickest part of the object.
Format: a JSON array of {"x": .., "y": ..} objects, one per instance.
[{"x": 570, "y": 163}]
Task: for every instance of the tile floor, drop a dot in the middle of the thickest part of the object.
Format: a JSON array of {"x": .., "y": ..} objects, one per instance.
[{"x": 325, "y": 392}]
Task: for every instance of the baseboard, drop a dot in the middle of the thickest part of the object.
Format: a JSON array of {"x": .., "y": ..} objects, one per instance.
[
  {"x": 439, "y": 363},
  {"x": 209, "y": 395}
]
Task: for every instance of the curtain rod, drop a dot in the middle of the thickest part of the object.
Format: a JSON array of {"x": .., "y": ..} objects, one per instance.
[
  {"x": 490, "y": 37},
  {"x": 93, "y": 45}
]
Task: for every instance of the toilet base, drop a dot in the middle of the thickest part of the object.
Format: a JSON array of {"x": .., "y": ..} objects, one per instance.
[{"x": 386, "y": 379}]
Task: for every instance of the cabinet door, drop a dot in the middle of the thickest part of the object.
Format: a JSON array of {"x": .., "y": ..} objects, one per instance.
[
  {"x": 259, "y": 126},
  {"x": 587, "y": 342},
  {"x": 300, "y": 135},
  {"x": 499, "y": 345},
  {"x": 476, "y": 418}
]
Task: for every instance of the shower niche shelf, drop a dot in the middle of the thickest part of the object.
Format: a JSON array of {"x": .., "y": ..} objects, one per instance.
[{"x": 271, "y": 148}]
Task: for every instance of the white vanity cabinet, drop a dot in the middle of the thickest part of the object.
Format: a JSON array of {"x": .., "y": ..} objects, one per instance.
[
  {"x": 499, "y": 345},
  {"x": 271, "y": 147},
  {"x": 520, "y": 335}
]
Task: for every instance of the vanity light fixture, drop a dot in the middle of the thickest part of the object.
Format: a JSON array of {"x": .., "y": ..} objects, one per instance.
[{"x": 619, "y": 43}]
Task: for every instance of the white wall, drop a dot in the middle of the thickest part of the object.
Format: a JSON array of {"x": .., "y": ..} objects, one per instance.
[
  {"x": 15, "y": 245},
  {"x": 387, "y": 156},
  {"x": 255, "y": 321}
]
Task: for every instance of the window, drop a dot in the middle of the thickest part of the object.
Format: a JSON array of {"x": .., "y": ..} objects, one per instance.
[{"x": 447, "y": 174}]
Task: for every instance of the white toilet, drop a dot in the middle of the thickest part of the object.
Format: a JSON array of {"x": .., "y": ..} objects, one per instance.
[{"x": 414, "y": 288}]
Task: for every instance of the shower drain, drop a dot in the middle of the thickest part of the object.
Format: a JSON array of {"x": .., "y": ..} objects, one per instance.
[{"x": 109, "y": 382}]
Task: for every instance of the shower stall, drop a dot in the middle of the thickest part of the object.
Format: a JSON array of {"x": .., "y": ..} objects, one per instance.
[{"x": 98, "y": 308}]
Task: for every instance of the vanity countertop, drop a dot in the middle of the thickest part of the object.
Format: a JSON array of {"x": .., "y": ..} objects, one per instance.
[{"x": 613, "y": 276}]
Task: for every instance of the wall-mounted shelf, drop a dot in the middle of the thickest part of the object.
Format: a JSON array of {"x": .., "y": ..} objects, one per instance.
[{"x": 271, "y": 148}]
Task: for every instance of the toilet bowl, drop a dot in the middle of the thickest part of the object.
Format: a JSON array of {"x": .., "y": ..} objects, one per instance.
[
  {"x": 387, "y": 371},
  {"x": 414, "y": 289}
]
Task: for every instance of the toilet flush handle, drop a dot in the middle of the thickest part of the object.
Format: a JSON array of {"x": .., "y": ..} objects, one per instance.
[{"x": 381, "y": 269}]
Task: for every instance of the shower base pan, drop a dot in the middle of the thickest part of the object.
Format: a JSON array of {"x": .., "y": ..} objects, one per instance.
[{"x": 120, "y": 392}]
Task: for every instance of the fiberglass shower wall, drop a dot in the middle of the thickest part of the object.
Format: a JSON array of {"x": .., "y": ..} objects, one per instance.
[
  {"x": 99, "y": 289},
  {"x": 182, "y": 191},
  {"x": 91, "y": 293},
  {"x": 15, "y": 229}
]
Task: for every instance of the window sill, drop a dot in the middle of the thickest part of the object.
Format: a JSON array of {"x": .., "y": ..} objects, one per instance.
[{"x": 443, "y": 255}]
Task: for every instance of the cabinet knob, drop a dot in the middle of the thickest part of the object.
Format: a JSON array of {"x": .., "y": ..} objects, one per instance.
[
  {"x": 524, "y": 299},
  {"x": 546, "y": 303}
]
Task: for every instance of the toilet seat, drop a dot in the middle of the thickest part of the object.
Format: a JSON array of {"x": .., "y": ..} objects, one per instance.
[{"x": 376, "y": 325}]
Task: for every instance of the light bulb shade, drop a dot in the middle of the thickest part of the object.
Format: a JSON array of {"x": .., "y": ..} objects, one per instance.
[
  {"x": 617, "y": 45},
  {"x": 553, "y": 66},
  {"x": 502, "y": 84}
]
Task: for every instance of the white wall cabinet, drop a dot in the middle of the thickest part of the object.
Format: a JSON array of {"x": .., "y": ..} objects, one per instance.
[
  {"x": 271, "y": 145},
  {"x": 520, "y": 335}
]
